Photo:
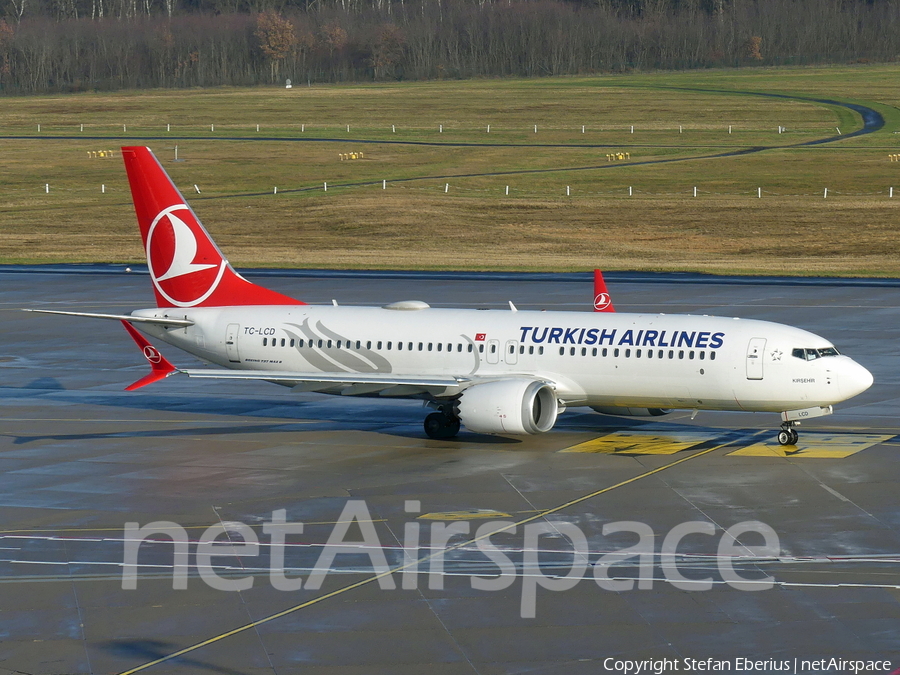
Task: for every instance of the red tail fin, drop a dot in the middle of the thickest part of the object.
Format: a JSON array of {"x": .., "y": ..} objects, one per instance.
[
  {"x": 602, "y": 299},
  {"x": 186, "y": 266}
]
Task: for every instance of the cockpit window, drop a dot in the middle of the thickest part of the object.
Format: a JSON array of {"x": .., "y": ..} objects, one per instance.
[{"x": 812, "y": 354}]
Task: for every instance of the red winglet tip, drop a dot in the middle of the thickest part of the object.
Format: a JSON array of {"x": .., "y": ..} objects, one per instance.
[
  {"x": 148, "y": 379},
  {"x": 160, "y": 366},
  {"x": 602, "y": 299}
]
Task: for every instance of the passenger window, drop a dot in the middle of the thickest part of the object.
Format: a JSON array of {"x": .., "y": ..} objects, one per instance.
[
  {"x": 712, "y": 356},
  {"x": 481, "y": 349},
  {"x": 562, "y": 351},
  {"x": 572, "y": 351},
  {"x": 649, "y": 353},
  {"x": 493, "y": 349},
  {"x": 627, "y": 353},
  {"x": 420, "y": 346},
  {"x": 449, "y": 347},
  {"x": 671, "y": 354},
  {"x": 584, "y": 351},
  {"x": 292, "y": 342},
  {"x": 358, "y": 344},
  {"x": 690, "y": 355},
  {"x": 368, "y": 344},
  {"x": 616, "y": 351},
  {"x": 329, "y": 344},
  {"x": 389, "y": 345},
  {"x": 531, "y": 350},
  {"x": 410, "y": 346},
  {"x": 637, "y": 354},
  {"x": 702, "y": 355},
  {"x": 320, "y": 344},
  {"x": 265, "y": 341},
  {"x": 399, "y": 346},
  {"x": 471, "y": 349},
  {"x": 540, "y": 350},
  {"x": 605, "y": 352},
  {"x": 521, "y": 349},
  {"x": 300, "y": 342},
  {"x": 660, "y": 354},
  {"x": 440, "y": 346},
  {"x": 594, "y": 352},
  {"x": 378, "y": 347},
  {"x": 459, "y": 347},
  {"x": 430, "y": 345},
  {"x": 681, "y": 354}
]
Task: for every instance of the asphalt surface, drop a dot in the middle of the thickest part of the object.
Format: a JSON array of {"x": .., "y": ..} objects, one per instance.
[{"x": 80, "y": 458}]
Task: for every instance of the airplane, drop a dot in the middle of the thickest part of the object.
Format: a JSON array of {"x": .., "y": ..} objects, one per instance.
[{"x": 494, "y": 371}]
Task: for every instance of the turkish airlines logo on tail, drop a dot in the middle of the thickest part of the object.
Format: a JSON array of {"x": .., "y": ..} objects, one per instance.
[
  {"x": 184, "y": 264},
  {"x": 602, "y": 301}
]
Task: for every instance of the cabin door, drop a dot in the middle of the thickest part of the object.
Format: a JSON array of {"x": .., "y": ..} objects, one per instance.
[
  {"x": 231, "y": 342},
  {"x": 755, "y": 351}
]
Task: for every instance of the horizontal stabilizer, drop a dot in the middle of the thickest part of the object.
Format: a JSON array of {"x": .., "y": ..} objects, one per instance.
[{"x": 159, "y": 321}]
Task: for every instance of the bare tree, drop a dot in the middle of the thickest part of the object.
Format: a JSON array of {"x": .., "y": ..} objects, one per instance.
[{"x": 276, "y": 39}]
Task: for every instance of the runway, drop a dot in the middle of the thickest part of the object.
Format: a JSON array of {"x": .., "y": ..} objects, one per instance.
[{"x": 80, "y": 458}]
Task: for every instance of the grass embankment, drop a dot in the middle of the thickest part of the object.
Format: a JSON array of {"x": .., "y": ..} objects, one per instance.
[{"x": 792, "y": 229}]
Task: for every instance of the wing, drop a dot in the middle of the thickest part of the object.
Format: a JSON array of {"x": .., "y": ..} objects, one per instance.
[{"x": 348, "y": 384}]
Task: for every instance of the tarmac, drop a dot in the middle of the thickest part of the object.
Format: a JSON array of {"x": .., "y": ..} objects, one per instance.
[{"x": 80, "y": 459}]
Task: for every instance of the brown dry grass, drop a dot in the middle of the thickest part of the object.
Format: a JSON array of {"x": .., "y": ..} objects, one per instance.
[{"x": 434, "y": 231}]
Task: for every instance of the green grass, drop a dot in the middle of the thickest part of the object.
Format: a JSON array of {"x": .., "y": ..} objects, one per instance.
[{"x": 475, "y": 224}]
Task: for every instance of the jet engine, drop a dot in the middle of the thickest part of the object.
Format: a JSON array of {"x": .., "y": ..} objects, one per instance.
[
  {"x": 630, "y": 412},
  {"x": 514, "y": 406}
]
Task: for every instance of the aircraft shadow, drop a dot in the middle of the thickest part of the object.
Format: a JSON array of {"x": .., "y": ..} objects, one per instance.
[{"x": 152, "y": 650}]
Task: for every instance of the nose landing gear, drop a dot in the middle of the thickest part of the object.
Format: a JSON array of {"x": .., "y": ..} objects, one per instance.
[{"x": 788, "y": 434}]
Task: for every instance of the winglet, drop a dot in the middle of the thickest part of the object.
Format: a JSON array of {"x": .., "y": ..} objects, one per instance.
[
  {"x": 602, "y": 299},
  {"x": 160, "y": 367}
]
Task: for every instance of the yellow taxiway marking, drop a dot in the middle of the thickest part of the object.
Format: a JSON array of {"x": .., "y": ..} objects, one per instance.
[
  {"x": 400, "y": 568},
  {"x": 468, "y": 514},
  {"x": 641, "y": 443},
  {"x": 815, "y": 446}
]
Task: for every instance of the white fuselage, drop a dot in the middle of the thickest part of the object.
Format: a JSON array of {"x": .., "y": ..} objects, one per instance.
[{"x": 597, "y": 359}]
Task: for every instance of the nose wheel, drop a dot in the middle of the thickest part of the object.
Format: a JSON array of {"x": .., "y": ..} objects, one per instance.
[
  {"x": 788, "y": 434},
  {"x": 441, "y": 426}
]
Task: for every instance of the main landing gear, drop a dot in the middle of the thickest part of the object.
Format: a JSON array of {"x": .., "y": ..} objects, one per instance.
[
  {"x": 441, "y": 425},
  {"x": 788, "y": 434}
]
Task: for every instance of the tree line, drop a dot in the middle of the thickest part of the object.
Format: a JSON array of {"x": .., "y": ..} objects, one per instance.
[{"x": 71, "y": 45}]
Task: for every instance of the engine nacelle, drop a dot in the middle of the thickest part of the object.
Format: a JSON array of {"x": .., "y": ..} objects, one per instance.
[
  {"x": 514, "y": 406},
  {"x": 630, "y": 412}
]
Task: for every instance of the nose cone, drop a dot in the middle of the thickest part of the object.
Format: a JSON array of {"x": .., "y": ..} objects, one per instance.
[{"x": 854, "y": 379}]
